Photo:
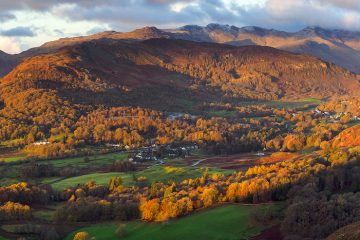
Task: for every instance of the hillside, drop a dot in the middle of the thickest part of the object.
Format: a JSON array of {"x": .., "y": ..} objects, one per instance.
[
  {"x": 349, "y": 232},
  {"x": 136, "y": 72},
  {"x": 337, "y": 46},
  {"x": 7, "y": 62}
]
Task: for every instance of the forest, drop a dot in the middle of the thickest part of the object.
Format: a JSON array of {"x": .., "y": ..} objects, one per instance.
[
  {"x": 319, "y": 184},
  {"x": 127, "y": 135}
]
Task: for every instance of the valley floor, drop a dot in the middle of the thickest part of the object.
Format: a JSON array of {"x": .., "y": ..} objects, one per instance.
[{"x": 233, "y": 221}]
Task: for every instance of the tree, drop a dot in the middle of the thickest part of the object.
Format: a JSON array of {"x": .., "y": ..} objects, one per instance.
[
  {"x": 82, "y": 236},
  {"x": 209, "y": 196},
  {"x": 116, "y": 184}
]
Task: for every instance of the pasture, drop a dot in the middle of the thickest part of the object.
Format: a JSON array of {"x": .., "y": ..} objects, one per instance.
[
  {"x": 224, "y": 222},
  {"x": 151, "y": 174},
  {"x": 91, "y": 161}
]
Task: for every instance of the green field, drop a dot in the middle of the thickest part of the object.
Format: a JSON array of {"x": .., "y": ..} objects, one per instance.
[
  {"x": 222, "y": 113},
  {"x": 225, "y": 222},
  {"x": 284, "y": 104},
  {"x": 152, "y": 174},
  {"x": 100, "y": 178},
  {"x": 13, "y": 158},
  {"x": 96, "y": 160},
  {"x": 10, "y": 175}
]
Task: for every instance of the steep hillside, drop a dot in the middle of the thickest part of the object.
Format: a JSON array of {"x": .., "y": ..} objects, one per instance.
[
  {"x": 7, "y": 62},
  {"x": 336, "y": 46},
  {"x": 137, "y": 72}
]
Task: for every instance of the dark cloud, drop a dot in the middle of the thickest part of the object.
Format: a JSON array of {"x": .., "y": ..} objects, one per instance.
[
  {"x": 135, "y": 12},
  {"x": 18, "y": 32},
  {"x": 58, "y": 31},
  {"x": 286, "y": 15},
  {"x": 6, "y": 16},
  {"x": 127, "y": 14}
]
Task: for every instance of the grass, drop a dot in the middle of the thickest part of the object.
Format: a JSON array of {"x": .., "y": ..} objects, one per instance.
[
  {"x": 47, "y": 214},
  {"x": 2, "y": 238},
  {"x": 100, "y": 178},
  {"x": 96, "y": 160},
  {"x": 12, "y": 156},
  {"x": 225, "y": 222},
  {"x": 222, "y": 113},
  {"x": 301, "y": 104},
  {"x": 10, "y": 175},
  {"x": 152, "y": 174},
  {"x": 285, "y": 104}
]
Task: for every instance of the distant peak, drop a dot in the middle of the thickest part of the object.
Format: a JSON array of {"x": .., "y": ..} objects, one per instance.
[
  {"x": 149, "y": 29},
  {"x": 191, "y": 27},
  {"x": 224, "y": 27}
]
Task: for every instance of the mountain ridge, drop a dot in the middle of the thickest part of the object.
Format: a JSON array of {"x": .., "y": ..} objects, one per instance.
[
  {"x": 119, "y": 71},
  {"x": 341, "y": 47}
]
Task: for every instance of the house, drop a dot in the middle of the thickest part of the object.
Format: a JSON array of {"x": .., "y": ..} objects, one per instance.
[
  {"x": 259, "y": 154},
  {"x": 41, "y": 143}
]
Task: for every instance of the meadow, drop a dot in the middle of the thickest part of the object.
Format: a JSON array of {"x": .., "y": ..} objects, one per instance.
[
  {"x": 151, "y": 174},
  {"x": 12, "y": 175},
  {"x": 224, "y": 222}
]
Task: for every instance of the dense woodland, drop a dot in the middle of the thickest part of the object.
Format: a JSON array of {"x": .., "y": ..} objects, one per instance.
[
  {"x": 77, "y": 102},
  {"x": 325, "y": 182}
]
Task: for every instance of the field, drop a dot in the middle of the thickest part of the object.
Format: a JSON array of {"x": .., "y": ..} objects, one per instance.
[
  {"x": 11, "y": 175},
  {"x": 225, "y": 222},
  {"x": 152, "y": 174},
  {"x": 97, "y": 160},
  {"x": 11, "y": 156}
]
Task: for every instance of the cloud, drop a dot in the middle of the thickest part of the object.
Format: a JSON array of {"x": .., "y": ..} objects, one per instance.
[
  {"x": 96, "y": 30},
  {"x": 18, "y": 32},
  {"x": 346, "y": 4},
  {"x": 66, "y": 18},
  {"x": 126, "y": 14},
  {"x": 132, "y": 14},
  {"x": 287, "y": 15},
  {"x": 9, "y": 45},
  {"x": 6, "y": 16}
]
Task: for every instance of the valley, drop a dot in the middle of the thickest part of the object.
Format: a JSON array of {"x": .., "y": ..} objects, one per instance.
[{"x": 154, "y": 134}]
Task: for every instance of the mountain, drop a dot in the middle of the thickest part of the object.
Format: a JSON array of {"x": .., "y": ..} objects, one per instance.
[
  {"x": 147, "y": 73},
  {"x": 336, "y": 46},
  {"x": 7, "y": 62}
]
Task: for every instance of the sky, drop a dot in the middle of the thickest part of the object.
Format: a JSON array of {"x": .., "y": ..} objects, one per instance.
[{"x": 29, "y": 23}]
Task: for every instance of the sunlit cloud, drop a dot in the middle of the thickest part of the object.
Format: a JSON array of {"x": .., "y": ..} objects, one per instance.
[{"x": 9, "y": 45}]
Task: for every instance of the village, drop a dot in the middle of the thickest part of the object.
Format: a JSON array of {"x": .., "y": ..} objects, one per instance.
[{"x": 160, "y": 152}]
